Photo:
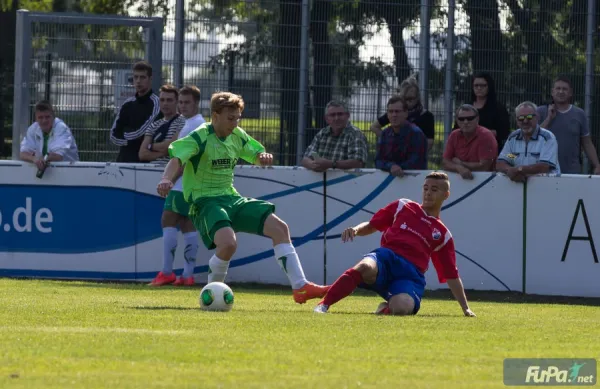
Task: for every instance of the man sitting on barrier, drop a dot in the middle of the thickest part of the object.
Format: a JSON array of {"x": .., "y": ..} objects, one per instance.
[
  {"x": 471, "y": 147},
  {"x": 340, "y": 145},
  {"x": 530, "y": 150},
  {"x": 176, "y": 209},
  {"x": 402, "y": 145},
  {"x": 411, "y": 234},
  {"x": 48, "y": 139},
  {"x": 163, "y": 131},
  {"x": 210, "y": 154}
]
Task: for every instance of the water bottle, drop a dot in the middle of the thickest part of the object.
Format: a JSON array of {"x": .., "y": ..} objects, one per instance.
[{"x": 40, "y": 172}]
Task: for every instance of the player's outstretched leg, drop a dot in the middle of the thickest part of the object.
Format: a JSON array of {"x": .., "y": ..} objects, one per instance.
[
  {"x": 218, "y": 265},
  {"x": 190, "y": 237},
  {"x": 288, "y": 260},
  {"x": 166, "y": 276},
  {"x": 365, "y": 271}
]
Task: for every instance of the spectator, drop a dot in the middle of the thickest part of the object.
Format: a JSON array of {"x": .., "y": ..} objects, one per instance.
[
  {"x": 402, "y": 145},
  {"x": 176, "y": 209},
  {"x": 529, "y": 150},
  {"x": 339, "y": 145},
  {"x": 470, "y": 148},
  {"x": 570, "y": 127},
  {"x": 136, "y": 115},
  {"x": 492, "y": 114},
  {"x": 409, "y": 90},
  {"x": 48, "y": 138},
  {"x": 162, "y": 131}
]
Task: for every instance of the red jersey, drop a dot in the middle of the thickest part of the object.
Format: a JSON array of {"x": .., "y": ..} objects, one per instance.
[{"x": 412, "y": 234}]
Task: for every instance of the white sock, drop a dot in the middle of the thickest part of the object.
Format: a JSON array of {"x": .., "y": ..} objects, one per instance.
[
  {"x": 169, "y": 247},
  {"x": 288, "y": 260},
  {"x": 217, "y": 269},
  {"x": 191, "y": 250}
]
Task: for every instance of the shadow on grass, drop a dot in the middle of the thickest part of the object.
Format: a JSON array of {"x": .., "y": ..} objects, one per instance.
[{"x": 269, "y": 289}]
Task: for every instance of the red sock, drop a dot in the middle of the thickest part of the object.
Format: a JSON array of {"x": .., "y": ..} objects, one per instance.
[{"x": 342, "y": 287}]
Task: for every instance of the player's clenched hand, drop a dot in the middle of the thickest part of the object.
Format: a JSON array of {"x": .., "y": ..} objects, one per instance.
[
  {"x": 469, "y": 313},
  {"x": 164, "y": 186},
  {"x": 265, "y": 159},
  {"x": 348, "y": 234}
]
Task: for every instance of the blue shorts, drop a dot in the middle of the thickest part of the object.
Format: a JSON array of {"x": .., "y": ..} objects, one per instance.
[{"x": 396, "y": 275}]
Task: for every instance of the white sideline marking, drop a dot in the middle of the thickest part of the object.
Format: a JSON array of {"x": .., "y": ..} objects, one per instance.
[{"x": 85, "y": 330}]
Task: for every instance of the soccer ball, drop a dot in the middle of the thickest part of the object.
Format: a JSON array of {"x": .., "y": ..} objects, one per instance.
[{"x": 216, "y": 296}]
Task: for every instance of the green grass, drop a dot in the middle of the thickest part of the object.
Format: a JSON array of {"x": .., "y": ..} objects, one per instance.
[{"x": 91, "y": 335}]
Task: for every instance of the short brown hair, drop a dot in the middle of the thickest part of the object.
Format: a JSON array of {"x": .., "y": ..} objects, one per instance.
[
  {"x": 168, "y": 88},
  {"x": 221, "y": 100},
  {"x": 397, "y": 99},
  {"x": 191, "y": 90},
  {"x": 143, "y": 66},
  {"x": 44, "y": 106},
  {"x": 439, "y": 176}
]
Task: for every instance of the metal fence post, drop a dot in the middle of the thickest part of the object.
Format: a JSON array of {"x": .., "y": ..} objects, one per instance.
[
  {"x": 303, "y": 87},
  {"x": 154, "y": 44},
  {"x": 424, "y": 49},
  {"x": 179, "y": 44},
  {"x": 449, "y": 81},
  {"x": 22, "y": 80},
  {"x": 589, "y": 70}
]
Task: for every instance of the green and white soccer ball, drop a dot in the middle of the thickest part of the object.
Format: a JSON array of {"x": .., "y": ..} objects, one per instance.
[{"x": 216, "y": 296}]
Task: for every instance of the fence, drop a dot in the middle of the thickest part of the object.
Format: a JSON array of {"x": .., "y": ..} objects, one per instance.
[{"x": 290, "y": 57}]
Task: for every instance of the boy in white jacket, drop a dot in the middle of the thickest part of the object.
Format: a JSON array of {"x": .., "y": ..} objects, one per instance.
[{"x": 49, "y": 138}]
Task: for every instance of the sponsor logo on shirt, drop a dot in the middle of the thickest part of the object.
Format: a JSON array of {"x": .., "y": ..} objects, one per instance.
[
  {"x": 224, "y": 163},
  {"x": 406, "y": 227}
]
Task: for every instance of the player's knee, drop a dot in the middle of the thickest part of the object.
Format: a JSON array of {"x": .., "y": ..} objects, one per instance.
[
  {"x": 276, "y": 229},
  {"x": 168, "y": 219},
  {"x": 368, "y": 270},
  {"x": 402, "y": 304},
  {"x": 226, "y": 243},
  {"x": 226, "y": 249}
]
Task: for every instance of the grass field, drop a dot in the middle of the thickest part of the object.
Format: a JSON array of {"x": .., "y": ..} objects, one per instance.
[{"x": 57, "y": 334}]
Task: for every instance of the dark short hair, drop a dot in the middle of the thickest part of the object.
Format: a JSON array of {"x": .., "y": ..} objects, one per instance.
[
  {"x": 564, "y": 79},
  {"x": 168, "y": 88},
  {"x": 191, "y": 90},
  {"x": 397, "y": 99},
  {"x": 440, "y": 176},
  {"x": 143, "y": 66},
  {"x": 44, "y": 106}
]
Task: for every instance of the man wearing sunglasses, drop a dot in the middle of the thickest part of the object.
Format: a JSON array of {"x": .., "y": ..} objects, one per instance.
[
  {"x": 471, "y": 147},
  {"x": 530, "y": 150}
]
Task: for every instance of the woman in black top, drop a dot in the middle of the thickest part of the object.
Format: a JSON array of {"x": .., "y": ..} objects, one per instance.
[
  {"x": 492, "y": 114},
  {"x": 409, "y": 90}
]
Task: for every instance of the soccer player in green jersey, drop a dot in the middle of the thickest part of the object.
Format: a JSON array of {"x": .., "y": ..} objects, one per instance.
[{"x": 209, "y": 155}]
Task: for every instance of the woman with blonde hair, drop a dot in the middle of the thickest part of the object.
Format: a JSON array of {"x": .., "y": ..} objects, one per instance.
[{"x": 417, "y": 115}]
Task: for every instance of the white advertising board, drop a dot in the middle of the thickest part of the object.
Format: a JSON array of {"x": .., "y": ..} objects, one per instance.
[{"x": 563, "y": 236}]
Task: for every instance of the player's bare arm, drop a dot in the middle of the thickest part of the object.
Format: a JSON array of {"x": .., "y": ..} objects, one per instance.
[
  {"x": 458, "y": 291},
  {"x": 171, "y": 171},
  {"x": 362, "y": 229}
]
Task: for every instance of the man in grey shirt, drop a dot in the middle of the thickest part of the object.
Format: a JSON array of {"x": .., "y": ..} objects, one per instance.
[{"x": 570, "y": 126}]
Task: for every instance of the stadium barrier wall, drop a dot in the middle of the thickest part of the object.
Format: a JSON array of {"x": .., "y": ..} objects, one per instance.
[{"x": 101, "y": 221}]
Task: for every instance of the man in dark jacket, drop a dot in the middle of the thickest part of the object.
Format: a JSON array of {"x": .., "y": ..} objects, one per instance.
[{"x": 135, "y": 115}]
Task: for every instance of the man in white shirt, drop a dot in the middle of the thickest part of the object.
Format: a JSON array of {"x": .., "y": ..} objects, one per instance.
[
  {"x": 49, "y": 139},
  {"x": 176, "y": 209}
]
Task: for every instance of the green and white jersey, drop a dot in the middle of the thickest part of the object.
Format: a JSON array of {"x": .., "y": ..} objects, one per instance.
[{"x": 210, "y": 160}]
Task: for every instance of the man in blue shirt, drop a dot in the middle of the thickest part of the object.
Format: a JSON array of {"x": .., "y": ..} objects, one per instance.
[
  {"x": 530, "y": 150},
  {"x": 401, "y": 146}
]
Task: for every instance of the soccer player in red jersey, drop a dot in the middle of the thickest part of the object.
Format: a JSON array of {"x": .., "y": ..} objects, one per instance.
[{"x": 411, "y": 234}]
